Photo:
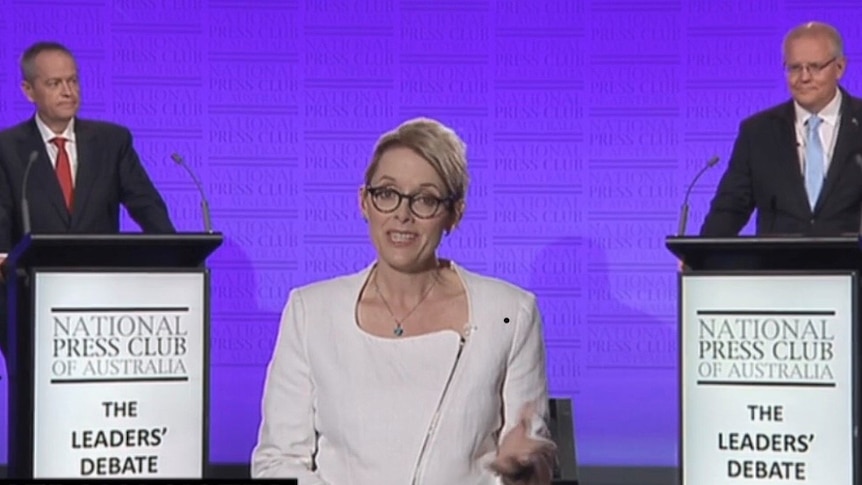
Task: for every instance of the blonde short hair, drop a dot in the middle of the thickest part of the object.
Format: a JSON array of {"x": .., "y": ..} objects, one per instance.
[{"x": 436, "y": 143}]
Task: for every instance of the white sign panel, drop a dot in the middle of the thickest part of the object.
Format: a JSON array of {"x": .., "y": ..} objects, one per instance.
[
  {"x": 767, "y": 379},
  {"x": 119, "y": 375},
  {"x": 767, "y": 375}
]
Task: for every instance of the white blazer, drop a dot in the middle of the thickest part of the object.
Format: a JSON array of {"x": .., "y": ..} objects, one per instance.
[{"x": 343, "y": 407}]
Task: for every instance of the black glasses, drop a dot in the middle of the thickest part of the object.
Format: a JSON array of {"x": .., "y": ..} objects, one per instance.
[
  {"x": 422, "y": 205},
  {"x": 814, "y": 68}
]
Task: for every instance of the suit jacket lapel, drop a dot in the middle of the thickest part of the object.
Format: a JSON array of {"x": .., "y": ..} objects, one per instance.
[
  {"x": 848, "y": 129},
  {"x": 43, "y": 177},
  {"x": 86, "y": 171},
  {"x": 788, "y": 158}
]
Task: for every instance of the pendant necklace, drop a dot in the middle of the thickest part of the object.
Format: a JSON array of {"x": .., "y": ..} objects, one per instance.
[{"x": 399, "y": 330}]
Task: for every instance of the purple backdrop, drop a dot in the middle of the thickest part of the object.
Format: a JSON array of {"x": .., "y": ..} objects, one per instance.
[{"x": 585, "y": 121}]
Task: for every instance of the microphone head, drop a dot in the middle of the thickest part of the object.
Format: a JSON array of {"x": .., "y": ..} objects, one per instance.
[
  {"x": 33, "y": 156},
  {"x": 712, "y": 161},
  {"x": 177, "y": 158}
]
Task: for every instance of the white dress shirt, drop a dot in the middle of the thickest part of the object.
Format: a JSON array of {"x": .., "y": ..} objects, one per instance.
[
  {"x": 419, "y": 410},
  {"x": 71, "y": 144},
  {"x": 831, "y": 116}
]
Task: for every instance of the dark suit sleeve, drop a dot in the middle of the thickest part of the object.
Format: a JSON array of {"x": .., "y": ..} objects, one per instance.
[
  {"x": 733, "y": 202},
  {"x": 139, "y": 195},
  {"x": 7, "y": 207}
]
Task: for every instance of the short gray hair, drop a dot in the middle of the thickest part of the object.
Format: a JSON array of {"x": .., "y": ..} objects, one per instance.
[
  {"x": 815, "y": 29},
  {"x": 28, "y": 58}
]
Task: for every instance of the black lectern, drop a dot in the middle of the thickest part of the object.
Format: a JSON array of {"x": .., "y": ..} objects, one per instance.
[
  {"x": 108, "y": 355},
  {"x": 768, "y": 363}
]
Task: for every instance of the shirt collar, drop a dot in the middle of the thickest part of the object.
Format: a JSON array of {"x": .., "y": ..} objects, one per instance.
[
  {"x": 829, "y": 114},
  {"x": 48, "y": 135}
]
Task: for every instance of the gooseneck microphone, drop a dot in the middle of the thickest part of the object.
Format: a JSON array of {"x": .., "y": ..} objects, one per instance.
[
  {"x": 25, "y": 205},
  {"x": 683, "y": 216},
  {"x": 205, "y": 206}
]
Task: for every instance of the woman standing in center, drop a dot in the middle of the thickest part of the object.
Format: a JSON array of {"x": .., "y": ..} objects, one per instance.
[{"x": 414, "y": 370}]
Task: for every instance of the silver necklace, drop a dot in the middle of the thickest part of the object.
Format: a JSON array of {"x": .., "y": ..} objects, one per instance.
[{"x": 399, "y": 330}]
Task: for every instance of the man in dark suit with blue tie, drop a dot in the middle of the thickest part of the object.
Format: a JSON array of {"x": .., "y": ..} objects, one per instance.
[
  {"x": 797, "y": 163},
  {"x": 82, "y": 170}
]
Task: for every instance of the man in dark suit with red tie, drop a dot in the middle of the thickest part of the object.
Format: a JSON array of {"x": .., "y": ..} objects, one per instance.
[
  {"x": 82, "y": 171},
  {"x": 799, "y": 163}
]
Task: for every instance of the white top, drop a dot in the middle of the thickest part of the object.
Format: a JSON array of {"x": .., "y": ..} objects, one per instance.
[
  {"x": 828, "y": 129},
  {"x": 365, "y": 404}
]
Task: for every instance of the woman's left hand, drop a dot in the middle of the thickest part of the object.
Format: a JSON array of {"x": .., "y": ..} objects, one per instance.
[{"x": 525, "y": 460}]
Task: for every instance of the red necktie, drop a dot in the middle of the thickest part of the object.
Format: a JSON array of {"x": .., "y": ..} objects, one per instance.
[{"x": 64, "y": 170}]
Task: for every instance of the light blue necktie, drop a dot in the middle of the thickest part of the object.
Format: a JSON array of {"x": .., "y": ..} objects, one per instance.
[{"x": 813, "y": 159}]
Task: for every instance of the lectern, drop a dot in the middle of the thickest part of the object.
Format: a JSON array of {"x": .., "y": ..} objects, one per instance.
[
  {"x": 108, "y": 357},
  {"x": 768, "y": 349}
]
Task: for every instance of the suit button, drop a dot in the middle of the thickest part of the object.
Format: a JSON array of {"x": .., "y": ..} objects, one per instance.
[{"x": 811, "y": 221}]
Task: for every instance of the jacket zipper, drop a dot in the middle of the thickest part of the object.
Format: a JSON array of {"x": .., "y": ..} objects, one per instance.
[{"x": 433, "y": 427}]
